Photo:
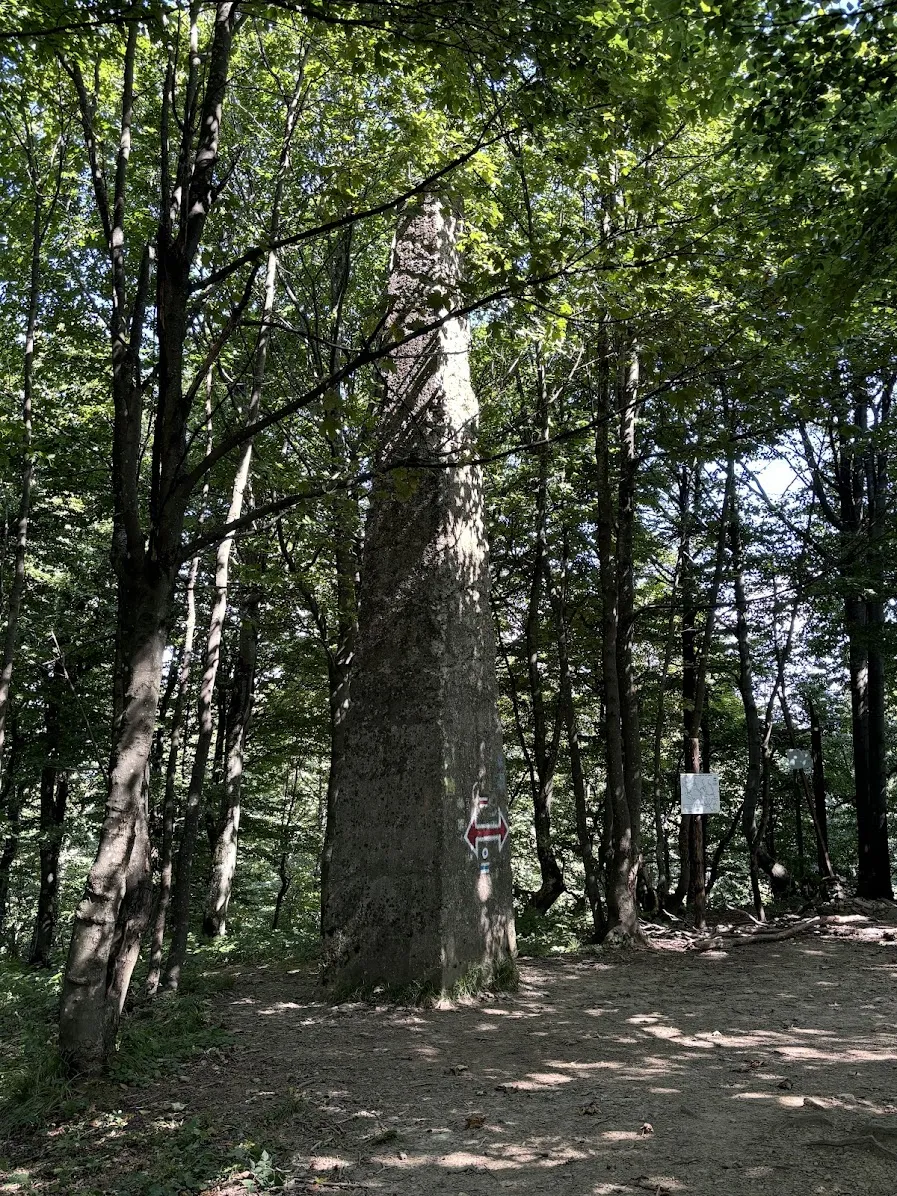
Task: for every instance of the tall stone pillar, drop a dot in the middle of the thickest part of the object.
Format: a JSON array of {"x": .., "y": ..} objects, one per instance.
[{"x": 420, "y": 876}]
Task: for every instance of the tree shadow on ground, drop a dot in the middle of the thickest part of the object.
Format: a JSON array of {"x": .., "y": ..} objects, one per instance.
[{"x": 770, "y": 1069}]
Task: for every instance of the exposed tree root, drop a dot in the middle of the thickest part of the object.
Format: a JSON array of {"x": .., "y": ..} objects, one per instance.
[{"x": 721, "y": 942}]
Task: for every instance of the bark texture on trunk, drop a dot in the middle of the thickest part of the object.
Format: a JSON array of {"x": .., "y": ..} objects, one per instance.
[
  {"x": 616, "y": 514},
  {"x": 416, "y": 896}
]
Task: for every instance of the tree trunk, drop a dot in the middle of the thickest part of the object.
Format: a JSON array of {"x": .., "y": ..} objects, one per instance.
[
  {"x": 290, "y": 797},
  {"x": 169, "y": 803},
  {"x": 757, "y": 739},
  {"x": 215, "y": 797},
  {"x": 285, "y": 881},
  {"x": 182, "y": 887},
  {"x": 691, "y": 749},
  {"x": 224, "y": 856},
  {"x": 584, "y": 833},
  {"x": 622, "y": 908},
  {"x": 822, "y": 847},
  {"x": 803, "y": 789},
  {"x": 11, "y": 799},
  {"x": 111, "y": 916},
  {"x": 661, "y": 844},
  {"x": 54, "y": 786},
  {"x": 874, "y": 878},
  {"x": 17, "y": 589},
  {"x": 627, "y": 816},
  {"x": 544, "y": 750},
  {"x": 181, "y": 893}
]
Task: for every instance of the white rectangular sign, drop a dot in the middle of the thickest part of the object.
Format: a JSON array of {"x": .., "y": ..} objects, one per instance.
[
  {"x": 700, "y": 792},
  {"x": 799, "y": 760}
]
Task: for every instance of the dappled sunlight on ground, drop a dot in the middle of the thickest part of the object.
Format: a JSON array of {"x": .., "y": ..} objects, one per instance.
[
  {"x": 703, "y": 1075},
  {"x": 771, "y": 1070}
]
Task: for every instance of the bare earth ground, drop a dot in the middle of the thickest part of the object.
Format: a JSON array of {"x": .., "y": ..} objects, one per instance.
[{"x": 768, "y": 1069}]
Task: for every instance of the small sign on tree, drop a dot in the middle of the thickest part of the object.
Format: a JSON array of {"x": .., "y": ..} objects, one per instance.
[{"x": 700, "y": 792}]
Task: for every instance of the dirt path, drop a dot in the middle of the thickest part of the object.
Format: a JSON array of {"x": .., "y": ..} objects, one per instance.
[{"x": 770, "y": 1069}]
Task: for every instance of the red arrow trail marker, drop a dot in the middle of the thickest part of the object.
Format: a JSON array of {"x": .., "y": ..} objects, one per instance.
[{"x": 477, "y": 832}]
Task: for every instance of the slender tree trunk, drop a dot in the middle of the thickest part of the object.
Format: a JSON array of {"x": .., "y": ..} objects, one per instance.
[
  {"x": 169, "y": 803},
  {"x": 216, "y": 799},
  {"x": 875, "y": 869},
  {"x": 687, "y": 637},
  {"x": 822, "y": 847},
  {"x": 182, "y": 887},
  {"x": 11, "y": 799},
  {"x": 544, "y": 750},
  {"x": 803, "y": 789},
  {"x": 628, "y": 847},
  {"x": 694, "y": 682},
  {"x": 54, "y": 798},
  {"x": 875, "y": 862},
  {"x": 224, "y": 856},
  {"x": 181, "y": 893},
  {"x": 661, "y": 842},
  {"x": 54, "y": 788},
  {"x": 724, "y": 841},
  {"x": 285, "y": 881},
  {"x": 622, "y": 909},
  {"x": 290, "y": 796},
  {"x": 584, "y": 833},
  {"x": 692, "y": 754},
  {"x": 17, "y": 589},
  {"x": 115, "y": 907},
  {"x": 758, "y": 740}
]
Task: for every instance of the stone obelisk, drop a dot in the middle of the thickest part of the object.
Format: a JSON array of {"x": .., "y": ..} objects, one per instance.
[{"x": 420, "y": 877}]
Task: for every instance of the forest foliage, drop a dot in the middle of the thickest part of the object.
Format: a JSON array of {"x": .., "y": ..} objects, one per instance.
[{"x": 679, "y": 260}]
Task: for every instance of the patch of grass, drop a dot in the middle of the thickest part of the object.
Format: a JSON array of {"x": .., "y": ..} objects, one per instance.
[
  {"x": 263, "y": 946},
  {"x": 33, "y": 1085},
  {"x": 493, "y": 978},
  {"x": 156, "y": 1036},
  {"x": 562, "y": 931},
  {"x": 162, "y": 1033}
]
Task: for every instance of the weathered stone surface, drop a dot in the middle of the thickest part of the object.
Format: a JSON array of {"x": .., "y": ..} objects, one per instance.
[{"x": 413, "y": 897}]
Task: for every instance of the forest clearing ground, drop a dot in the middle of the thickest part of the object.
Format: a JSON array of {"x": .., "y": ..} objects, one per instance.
[{"x": 772, "y": 1068}]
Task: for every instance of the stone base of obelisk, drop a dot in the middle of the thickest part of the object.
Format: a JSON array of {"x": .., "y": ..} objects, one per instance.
[{"x": 419, "y": 893}]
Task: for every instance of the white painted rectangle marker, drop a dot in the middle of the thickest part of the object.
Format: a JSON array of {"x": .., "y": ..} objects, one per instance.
[{"x": 799, "y": 760}]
